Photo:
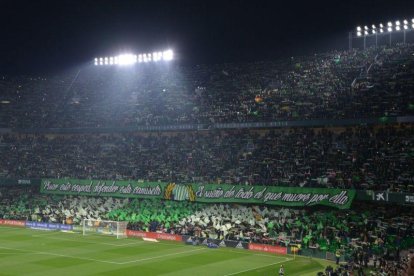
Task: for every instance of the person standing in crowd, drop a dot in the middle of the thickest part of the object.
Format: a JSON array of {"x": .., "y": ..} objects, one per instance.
[{"x": 338, "y": 256}]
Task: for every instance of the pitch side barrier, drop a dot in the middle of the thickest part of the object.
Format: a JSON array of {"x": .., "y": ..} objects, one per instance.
[
  {"x": 13, "y": 223},
  {"x": 36, "y": 225},
  {"x": 186, "y": 239},
  {"x": 48, "y": 226}
]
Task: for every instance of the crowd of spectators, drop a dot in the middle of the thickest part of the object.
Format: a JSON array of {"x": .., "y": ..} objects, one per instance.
[
  {"x": 376, "y": 158},
  {"x": 337, "y": 85},
  {"x": 369, "y": 236},
  {"x": 367, "y": 83},
  {"x": 375, "y": 266}
]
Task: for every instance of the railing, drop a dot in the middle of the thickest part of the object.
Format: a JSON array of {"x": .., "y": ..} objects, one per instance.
[{"x": 249, "y": 125}]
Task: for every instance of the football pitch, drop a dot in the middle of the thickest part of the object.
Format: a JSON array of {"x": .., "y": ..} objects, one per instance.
[{"x": 36, "y": 252}]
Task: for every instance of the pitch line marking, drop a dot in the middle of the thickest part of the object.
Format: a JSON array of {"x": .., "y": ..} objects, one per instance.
[
  {"x": 89, "y": 242},
  {"x": 96, "y": 260},
  {"x": 238, "y": 272},
  {"x": 59, "y": 255},
  {"x": 162, "y": 256}
]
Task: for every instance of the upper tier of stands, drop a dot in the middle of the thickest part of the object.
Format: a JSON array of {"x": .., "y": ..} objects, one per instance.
[
  {"x": 334, "y": 85},
  {"x": 376, "y": 158}
]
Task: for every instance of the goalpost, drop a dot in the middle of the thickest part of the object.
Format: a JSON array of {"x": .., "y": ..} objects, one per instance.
[{"x": 105, "y": 227}]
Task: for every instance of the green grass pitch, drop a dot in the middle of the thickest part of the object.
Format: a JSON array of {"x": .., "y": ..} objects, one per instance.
[{"x": 37, "y": 252}]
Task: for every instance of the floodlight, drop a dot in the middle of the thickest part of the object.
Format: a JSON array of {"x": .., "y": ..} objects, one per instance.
[
  {"x": 405, "y": 22},
  {"x": 389, "y": 29},
  {"x": 381, "y": 26},
  {"x": 167, "y": 55},
  {"x": 405, "y": 27},
  {"x": 126, "y": 59},
  {"x": 398, "y": 28},
  {"x": 129, "y": 59},
  {"x": 389, "y": 24},
  {"x": 358, "y": 28},
  {"x": 381, "y": 30},
  {"x": 366, "y": 32},
  {"x": 373, "y": 26},
  {"x": 397, "y": 22},
  {"x": 374, "y": 32},
  {"x": 358, "y": 33},
  {"x": 412, "y": 26},
  {"x": 412, "y": 20},
  {"x": 366, "y": 27}
]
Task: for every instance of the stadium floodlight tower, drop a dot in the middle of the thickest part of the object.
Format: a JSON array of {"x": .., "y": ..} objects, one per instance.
[
  {"x": 128, "y": 59},
  {"x": 398, "y": 26}
]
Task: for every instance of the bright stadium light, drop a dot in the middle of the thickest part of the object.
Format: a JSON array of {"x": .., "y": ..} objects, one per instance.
[
  {"x": 131, "y": 59},
  {"x": 381, "y": 30},
  {"x": 405, "y": 22},
  {"x": 373, "y": 26},
  {"x": 397, "y": 23},
  {"x": 381, "y": 26},
  {"x": 155, "y": 56},
  {"x": 126, "y": 59},
  {"x": 397, "y": 28},
  {"x": 405, "y": 27},
  {"x": 389, "y": 29},
  {"x": 366, "y": 32},
  {"x": 389, "y": 24},
  {"x": 359, "y": 29},
  {"x": 359, "y": 34},
  {"x": 374, "y": 32},
  {"x": 168, "y": 55},
  {"x": 365, "y": 27}
]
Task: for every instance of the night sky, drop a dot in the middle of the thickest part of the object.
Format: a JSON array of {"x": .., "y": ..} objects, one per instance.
[{"x": 40, "y": 37}]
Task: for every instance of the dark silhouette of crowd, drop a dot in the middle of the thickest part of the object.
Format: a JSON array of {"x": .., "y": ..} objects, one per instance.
[
  {"x": 375, "y": 82},
  {"x": 372, "y": 83},
  {"x": 375, "y": 158}
]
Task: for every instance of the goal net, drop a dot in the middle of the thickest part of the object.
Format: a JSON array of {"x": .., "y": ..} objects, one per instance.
[{"x": 105, "y": 227}]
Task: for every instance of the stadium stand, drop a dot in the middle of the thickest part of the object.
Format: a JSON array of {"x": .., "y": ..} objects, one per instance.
[
  {"x": 68, "y": 126},
  {"x": 375, "y": 236},
  {"x": 334, "y": 85},
  {"x": 375, "y": 158}
]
